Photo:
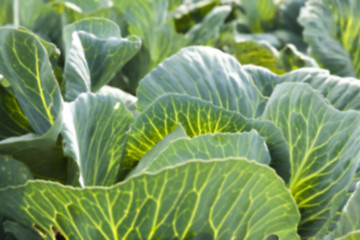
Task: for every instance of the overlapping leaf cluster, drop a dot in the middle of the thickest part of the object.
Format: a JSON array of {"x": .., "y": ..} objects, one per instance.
[{"x": 143, "y": 120}]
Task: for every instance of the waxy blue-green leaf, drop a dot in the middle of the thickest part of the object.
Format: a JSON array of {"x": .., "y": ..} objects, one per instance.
[
  {"x": 324, "y": 152},
  {"x": 348, "y": 226},
  {"x": 126, "y": 98},
  {"x": 228, "y": 199},
  {"x": 94, "y": 51},
  {"x": 207, "y": 147},
  {"x": 42, "y": 154},
  {"x": 206, "y": 73},
  {"x": 197, "y": 117},
  {"x": 331, "y": 28},
  {"x": 207, "y": 31},
  {"x": 25, "y": 65},
  {"x": 94, "y": 135}
]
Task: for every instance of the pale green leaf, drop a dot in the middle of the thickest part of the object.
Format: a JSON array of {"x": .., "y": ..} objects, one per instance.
[
  {"x": 197, "y": 117},
  {"x": 94, "y": 51},
  {"x": 206, "y": 147},
  {"x": 205, "y": 73},
  {"x": 323, "y": 144},
  {"x": 94, "y": 135},
  {"x": 208, "y": 200}
]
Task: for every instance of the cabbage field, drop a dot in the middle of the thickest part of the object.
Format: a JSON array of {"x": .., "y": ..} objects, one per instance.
[{"x": 179, "y": 119}]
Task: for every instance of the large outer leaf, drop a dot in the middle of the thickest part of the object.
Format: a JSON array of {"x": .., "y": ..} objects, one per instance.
[
  {"x": 206, "y": 147},
  {"x": 25, "y": 65},
  {"x": 205, "y": 73},
  {"x": 331, "y": 28},
  {"x": 95, "y": 51},
  {"x": 197, "y": 117},
  {"x": 214, "y": 199},
  {"x": 323, "y": 147},
  {"x": 94, "y": 132}
]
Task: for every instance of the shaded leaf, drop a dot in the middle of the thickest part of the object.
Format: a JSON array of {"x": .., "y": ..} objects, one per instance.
[{"x": 94, "y": 131}]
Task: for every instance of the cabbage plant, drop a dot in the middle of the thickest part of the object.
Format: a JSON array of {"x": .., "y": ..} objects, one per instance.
[{"x": 205, "y": 148}]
